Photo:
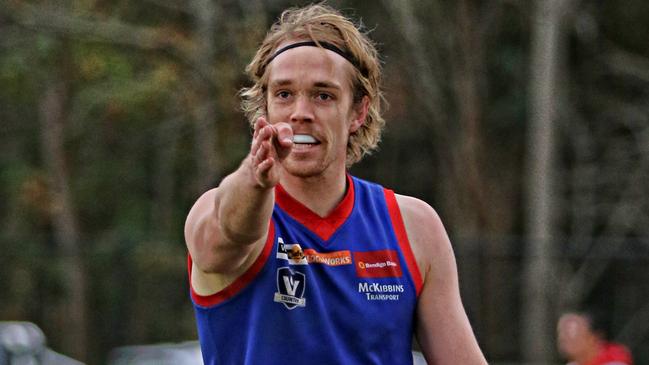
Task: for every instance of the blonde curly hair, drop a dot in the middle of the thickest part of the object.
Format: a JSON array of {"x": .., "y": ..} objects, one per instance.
[{"x": 323, "y": 24}]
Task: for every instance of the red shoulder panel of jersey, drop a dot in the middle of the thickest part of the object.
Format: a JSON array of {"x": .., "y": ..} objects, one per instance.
[
  {"x": 402, "y": 238},
  {"x": 238, "y": 284}
]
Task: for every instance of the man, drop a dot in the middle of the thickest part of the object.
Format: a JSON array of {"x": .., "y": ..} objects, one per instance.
[
  {"x": 582, "y": 340},
  {"x": 292, "y": 260}
]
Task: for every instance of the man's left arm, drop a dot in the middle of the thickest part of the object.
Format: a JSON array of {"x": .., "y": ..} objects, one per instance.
[{"x": 442, "y": 327}]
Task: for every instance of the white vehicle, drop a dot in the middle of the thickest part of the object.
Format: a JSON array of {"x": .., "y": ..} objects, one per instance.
[{"x": 23, "y": 343}]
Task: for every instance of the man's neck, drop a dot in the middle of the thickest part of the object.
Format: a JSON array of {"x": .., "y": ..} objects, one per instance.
[
  {"x": 321, "y": 194},
  {"x": 590, "y": 353}
]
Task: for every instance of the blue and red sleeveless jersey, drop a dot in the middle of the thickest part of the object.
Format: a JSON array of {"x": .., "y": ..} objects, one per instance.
[{"x": 336, "y": 290}]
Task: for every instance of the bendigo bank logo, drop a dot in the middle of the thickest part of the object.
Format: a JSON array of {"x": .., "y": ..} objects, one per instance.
[
  {"x": 290, "y": 286},
  {"x": 378, "y": 264}
]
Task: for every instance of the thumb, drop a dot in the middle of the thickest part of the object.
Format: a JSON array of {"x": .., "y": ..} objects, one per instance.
[{"x": 284, "y": 134}]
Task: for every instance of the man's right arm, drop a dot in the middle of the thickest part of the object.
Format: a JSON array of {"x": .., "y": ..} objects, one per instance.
[
  {"x": 227, "y": 222},
  {"x": 227, "y": 227}
]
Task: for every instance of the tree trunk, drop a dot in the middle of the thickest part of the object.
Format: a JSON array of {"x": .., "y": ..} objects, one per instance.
[
  {"x": 205, "y": 131},
  {"x": 64, "y": 220},
  {"x": 537, "y": 320},
  {"x": 167, "y": 140},
  {"x": 468, "y": 152}
]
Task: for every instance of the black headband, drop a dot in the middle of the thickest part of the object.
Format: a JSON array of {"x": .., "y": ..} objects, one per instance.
[{"x": 349, "y": 57}]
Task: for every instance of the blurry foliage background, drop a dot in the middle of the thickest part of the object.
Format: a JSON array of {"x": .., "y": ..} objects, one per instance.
[{"x": 116, "y": 115}]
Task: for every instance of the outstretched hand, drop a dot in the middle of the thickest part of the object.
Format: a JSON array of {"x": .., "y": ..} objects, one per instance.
[{"x": 271, "y": 143}]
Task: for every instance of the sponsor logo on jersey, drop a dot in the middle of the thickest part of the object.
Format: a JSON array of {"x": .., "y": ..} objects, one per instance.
[
  {"x": 335, "y": 258},
  {"x": 378, "y": 291},
  {"x": 291, "y": 252},
  {"x": 290, "y": 288},
  {"x": 378, "y": 264},
  {"x": 295, "y": 255}
]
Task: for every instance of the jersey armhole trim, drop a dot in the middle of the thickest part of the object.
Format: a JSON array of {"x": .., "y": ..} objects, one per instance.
[
  {"x": 239, "y": 283},
  {"x": 402, "y": 238}
]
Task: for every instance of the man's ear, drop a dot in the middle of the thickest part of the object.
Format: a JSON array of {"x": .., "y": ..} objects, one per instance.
[{"x": 359, "y": 114}]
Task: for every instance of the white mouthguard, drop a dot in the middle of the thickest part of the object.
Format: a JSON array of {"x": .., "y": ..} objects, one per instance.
[{"x": 304, "y": 138}]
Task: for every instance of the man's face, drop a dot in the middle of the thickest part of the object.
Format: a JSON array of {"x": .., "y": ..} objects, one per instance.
[
  {"x": 574, "y": 336},
  {"x": 310, "y": 89}
]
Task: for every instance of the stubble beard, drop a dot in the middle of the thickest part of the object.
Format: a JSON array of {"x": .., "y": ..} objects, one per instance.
[
  {"x": 305, "y": 168},
  {"x": 311, "y": 167}
]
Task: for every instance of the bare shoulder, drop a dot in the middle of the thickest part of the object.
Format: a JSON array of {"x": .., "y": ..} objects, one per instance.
[
  {"x": 421, "y": 220},
  {"x": 416, "y": 210},
  {"x": 425, "y": 230}
]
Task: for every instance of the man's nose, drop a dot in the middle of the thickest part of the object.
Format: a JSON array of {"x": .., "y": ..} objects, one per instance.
[{"x": 302, "y": 109}]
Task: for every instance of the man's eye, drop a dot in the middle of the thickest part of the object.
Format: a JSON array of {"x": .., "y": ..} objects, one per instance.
[
  {"x": 323, "y": 96},
  {"x": 283, "y": 94}
]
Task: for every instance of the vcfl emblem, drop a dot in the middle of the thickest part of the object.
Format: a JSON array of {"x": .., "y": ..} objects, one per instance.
[
  {"x": 290, "y": 288},
  {"x": 291, "y": 285}
]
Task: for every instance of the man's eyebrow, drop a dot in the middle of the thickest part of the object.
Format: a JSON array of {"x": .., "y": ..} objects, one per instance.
[
  {"x": 320, "y": 84},
  {"x": 327, "y": 85},
  {"x": 281, "y": 82}
]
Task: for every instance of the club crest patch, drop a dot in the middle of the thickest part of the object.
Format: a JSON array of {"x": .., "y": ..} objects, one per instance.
[{"x": 290, "y": 288}]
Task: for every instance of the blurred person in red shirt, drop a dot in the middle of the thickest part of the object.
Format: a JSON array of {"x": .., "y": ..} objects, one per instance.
[{"x": 582, "y": 339}]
